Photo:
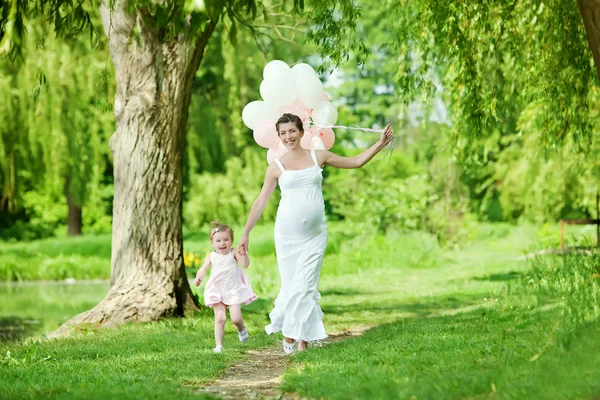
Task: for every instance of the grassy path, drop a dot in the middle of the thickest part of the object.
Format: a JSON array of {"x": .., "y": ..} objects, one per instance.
[
  {"x": 260, "y": 375},
  {"x": 447, "y": 328}
]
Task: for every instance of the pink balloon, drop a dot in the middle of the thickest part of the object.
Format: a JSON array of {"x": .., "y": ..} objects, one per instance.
[
  {"x": 271, "y": 155},
  {"x": 265, "y": 134},
  {"x": 295, "y": 109},
  {"x": 306, "y": 140},
  {"x": 282, "y": 149},
  {"x": 325, "y": 97},
  {"x": 328, "y": 137}
]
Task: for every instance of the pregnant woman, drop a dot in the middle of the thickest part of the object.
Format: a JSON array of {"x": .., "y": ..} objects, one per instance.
[{"x": 300, "y": 230}]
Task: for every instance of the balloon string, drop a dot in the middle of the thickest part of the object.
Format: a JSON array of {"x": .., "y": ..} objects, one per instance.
[
  {"x": 307, "y": 113},
  {"x": 356, "y": 128}
]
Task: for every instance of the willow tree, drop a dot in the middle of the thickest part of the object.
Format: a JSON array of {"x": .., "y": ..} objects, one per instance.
[
  {"x": 495, "y": 59},
  {"x": 156, "y": 48},
  {"x": 52, "y": 132}
]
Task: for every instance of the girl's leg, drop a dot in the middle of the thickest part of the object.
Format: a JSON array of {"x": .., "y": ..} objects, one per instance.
[
  {"x": 235, "y": 314},
  {"x": 220, "y": 318}
]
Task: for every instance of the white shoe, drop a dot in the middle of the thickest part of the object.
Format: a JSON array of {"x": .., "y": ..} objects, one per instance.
[
  {"x": 289, "y": 348},
  {"x": 218, "y": 349},
  {"x": 243, "y": 335}
]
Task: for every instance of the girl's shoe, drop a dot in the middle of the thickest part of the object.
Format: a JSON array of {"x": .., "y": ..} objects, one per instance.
[
  {"x": 218, "y": 349},
  {"x": 243, "y": 335},
  {"x": 289, "y": 348}
]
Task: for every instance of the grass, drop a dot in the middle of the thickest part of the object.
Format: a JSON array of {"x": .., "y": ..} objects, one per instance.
[
  {"x": 447, "y": 328},
  {"x": 149, "y": 361},
  {"x": 88, "y": 257},
  {"x": 480, "y": 354},
  {"x": 82, "y": 258}
]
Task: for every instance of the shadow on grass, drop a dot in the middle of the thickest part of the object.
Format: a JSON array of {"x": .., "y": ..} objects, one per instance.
[
  {"x": 16, "y": 328},
  {"x": 421, "y": 307},
  {"x": 507, "y": 276},
  {"x": 341, "y": 292}
]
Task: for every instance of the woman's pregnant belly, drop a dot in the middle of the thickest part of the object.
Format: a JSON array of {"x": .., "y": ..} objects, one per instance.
[{"x": 297, "y": 217}]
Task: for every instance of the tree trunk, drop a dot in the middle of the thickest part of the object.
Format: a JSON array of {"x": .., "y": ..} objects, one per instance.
[
  {"x": 590, "y": 12},
  {"x": 154, "y": 73},
  {"x": 74, "y": 221}
]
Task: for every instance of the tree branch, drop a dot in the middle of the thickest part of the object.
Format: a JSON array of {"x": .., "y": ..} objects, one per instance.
[{"x": 590, "y": 12}]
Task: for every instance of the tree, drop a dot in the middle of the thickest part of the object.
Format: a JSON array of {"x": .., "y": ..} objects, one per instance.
[
  {"x": 53, "y": 129},
  {"x": 156, "y": 48},
  {"x": 494, "y": 56}
]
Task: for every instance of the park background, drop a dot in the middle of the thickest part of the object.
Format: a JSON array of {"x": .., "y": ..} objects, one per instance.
[{"x": 435, "y": 245}]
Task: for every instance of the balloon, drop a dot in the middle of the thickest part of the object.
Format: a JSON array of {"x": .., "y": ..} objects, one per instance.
[
  {"x": 271, "y": 155},
  {"x": 302, "y": 70},
  {"x": 255, "y": 111},
  {"x": 282, "y": 149},
  {"x": 326, "y": 113},
  {"x": 309, "y": 91},
  {"x": 327, "y": 137},
  {"x": 278, "y": 90},
  {"x": 266, "y": 135},
  {"x": 295, "y": 109},
  {"x": 275, "y": 68},
  {"x": 325, "y": 97},
  {"x": 317, "y": 143},
  {"x": 306, "y": 140}
]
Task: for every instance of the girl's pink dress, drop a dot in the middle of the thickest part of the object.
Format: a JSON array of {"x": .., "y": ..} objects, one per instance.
[{"x": 228, "y": 284}]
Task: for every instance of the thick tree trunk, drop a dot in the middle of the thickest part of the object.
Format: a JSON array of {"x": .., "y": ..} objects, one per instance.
[
  {"x": 74, "y": 218},
  {"x": 154, "y": 75},
  {"x": 590, "y": 12}
]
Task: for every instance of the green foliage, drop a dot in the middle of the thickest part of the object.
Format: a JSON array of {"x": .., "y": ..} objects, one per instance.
[
  {"x": 229, "y": 196},
  {"x": 489, "y": 55},
  {"x": 572, "y": 278},
  {"x": 54, "y": 141}
]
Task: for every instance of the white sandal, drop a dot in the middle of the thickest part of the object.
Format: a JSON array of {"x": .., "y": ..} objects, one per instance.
[{"x": 289, "y": 348}]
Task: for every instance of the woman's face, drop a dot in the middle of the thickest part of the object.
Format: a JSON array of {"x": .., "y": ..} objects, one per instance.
[{"x": 290, "y": 135}]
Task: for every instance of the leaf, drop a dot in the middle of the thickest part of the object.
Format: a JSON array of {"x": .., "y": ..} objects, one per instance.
[{"x": 232, "y": 34}]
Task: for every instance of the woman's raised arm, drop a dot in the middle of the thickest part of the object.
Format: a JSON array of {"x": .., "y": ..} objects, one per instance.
[{"x": 332, "y": 159}]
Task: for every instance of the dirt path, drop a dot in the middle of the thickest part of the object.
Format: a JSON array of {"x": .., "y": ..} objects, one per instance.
[{"x": 259, "y": 376}]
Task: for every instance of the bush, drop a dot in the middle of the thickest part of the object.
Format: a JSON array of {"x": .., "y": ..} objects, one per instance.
[
  {"x": 574, "y": 279},
  {"x": 228, "y": 197},
  {"x": 386, "y": 197}
]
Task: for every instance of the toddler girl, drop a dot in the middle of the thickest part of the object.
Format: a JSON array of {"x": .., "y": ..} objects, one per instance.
[{"x": 228, "y": 285}]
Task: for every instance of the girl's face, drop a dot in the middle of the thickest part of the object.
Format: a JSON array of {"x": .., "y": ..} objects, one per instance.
[
  {"x": 290, "y": 135},
  {"x": 221, "y": 241}
]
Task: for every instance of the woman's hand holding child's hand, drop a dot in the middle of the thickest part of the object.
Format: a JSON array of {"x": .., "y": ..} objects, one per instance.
[{"x": 197, "y": 282}]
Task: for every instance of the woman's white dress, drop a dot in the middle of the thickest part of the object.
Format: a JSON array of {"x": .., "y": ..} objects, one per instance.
[{"x": 300, "y": 241}]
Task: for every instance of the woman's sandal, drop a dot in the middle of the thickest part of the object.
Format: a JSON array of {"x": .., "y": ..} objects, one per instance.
[{"x": 289, "y": 348}]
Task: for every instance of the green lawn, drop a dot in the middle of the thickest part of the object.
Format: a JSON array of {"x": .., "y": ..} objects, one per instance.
[{"x": 451, "y": 324}]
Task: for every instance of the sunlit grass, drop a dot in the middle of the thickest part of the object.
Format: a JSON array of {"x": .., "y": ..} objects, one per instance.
[{"x": 450, "y": 324}]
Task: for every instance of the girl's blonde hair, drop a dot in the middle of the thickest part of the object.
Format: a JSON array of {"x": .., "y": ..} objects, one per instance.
[{"x": 217, "y": 226}]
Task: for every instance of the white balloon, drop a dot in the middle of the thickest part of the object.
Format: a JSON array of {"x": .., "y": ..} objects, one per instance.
[
  {"x": 256, "y": 111},
  {"x": 275, "y": 68},
  {"x": 309, "y": 91},
  {"x": 303, "y": 70},
  {"x": 317, "y": 143},
  {"x": 278, "y": 91},
  {"x": 326, "y": 113}
]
